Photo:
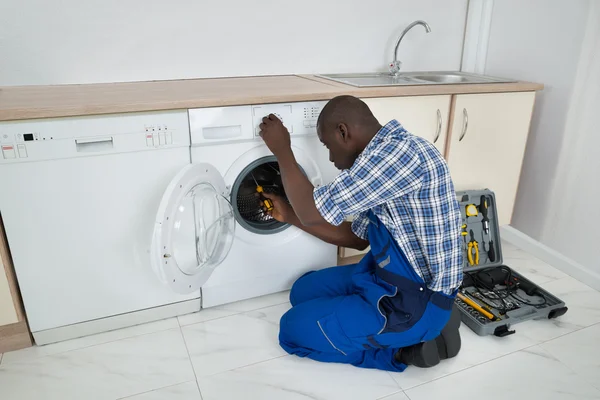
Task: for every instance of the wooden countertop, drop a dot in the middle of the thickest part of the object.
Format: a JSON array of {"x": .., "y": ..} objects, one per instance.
[{"x": 29, "y": 102}]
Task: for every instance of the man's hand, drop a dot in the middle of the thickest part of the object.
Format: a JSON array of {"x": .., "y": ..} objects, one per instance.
[
  {"x": 282, "y": 211},
  {"x": 275, "y": 135}
]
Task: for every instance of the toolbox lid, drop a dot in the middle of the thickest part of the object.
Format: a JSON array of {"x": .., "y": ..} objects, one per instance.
[{"x": 475, "y": 217}]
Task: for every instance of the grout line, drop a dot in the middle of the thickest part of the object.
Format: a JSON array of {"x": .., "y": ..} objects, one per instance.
[
  {"x": 250, "y": 365},
  {"x": 395, "y": 381},
  {"x": 27, "y": 359},
  {"x": 191, "y": 363},
  {"x": 504, "y": 355},
  {"x": 231, "y": 315},
  {"x": 1, "y": 357},
  {"x": 391, "y": 394},
  {"x": 153, "y": 390},
  {"x": 473, "y": 366}
]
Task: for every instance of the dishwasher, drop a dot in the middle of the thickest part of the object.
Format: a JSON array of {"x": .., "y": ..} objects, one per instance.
[{"x": 78, "y": 198}]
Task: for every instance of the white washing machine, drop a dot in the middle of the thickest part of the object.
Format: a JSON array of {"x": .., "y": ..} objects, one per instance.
[
  {"x": 79, "y": 199},
  {"x": 210, "y": 230}
]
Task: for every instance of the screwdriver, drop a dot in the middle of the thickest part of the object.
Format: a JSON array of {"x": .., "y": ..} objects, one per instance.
[
  {"x": 266, "y": 202},
  {"x": 483, "y": 209}
]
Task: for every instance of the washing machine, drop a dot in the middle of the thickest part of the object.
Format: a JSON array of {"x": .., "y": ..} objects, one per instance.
[{"x": 211, "y": 232}]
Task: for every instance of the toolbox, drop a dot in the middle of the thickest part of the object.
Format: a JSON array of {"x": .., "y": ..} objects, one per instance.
[{"x": 493, "y": 297}]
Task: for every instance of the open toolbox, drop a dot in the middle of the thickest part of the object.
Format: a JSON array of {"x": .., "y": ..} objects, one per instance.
[{"x": 493, "y": 297}]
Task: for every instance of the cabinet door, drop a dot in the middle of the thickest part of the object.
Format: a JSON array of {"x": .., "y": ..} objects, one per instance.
[
  {"x": 425, "y": 116},
  {"x": 487, "y": 144}
]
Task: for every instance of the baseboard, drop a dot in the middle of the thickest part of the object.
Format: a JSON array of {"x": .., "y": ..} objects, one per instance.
[
  {"x": 115, "y": 322},
  {"x": 550, "y": 256},
  {"x": 14, "y": 337}
]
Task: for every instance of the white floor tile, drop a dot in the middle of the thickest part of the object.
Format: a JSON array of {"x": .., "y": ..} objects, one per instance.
[
  {"x": 294, "y": 378},
  {"x": 583, "y": 303},
  {"x": 235, "y": 341},
  {"x": 528, "y": 374},
  {"x": 80, "y": 343},
  {"x": 475, "y": 350},
  {"x": 580, "y": 352},
  {"x": 225, "y": 310},
  {"x": 183, "y": 391},
  {"x": 531, "y": 267},
  {"x": 396, "y": 396},
  {"x": 107, "y": 371}
]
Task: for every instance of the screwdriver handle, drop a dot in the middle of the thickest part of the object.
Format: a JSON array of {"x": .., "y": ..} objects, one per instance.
[
  {"x": 268, "y": 204},
  {"x": 483, "y": 207},
  {"x": 491, "y": 251}
]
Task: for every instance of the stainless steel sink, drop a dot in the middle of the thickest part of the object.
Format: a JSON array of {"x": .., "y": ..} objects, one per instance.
[{"x": 412, "y": 78}]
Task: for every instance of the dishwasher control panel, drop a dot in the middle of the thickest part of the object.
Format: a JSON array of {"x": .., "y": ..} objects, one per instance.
[
  {"x": 58, "y": 138},
  {"x": 242, "y": 123}
]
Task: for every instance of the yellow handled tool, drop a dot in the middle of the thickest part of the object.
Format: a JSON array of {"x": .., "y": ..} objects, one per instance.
[
  {"x": 473, "y": 250},
  {"x": 476, "y": 306},
  {"x": 267, "y": 203}
]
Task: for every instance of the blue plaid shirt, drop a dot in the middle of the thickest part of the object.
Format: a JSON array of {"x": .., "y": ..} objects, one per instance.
[{"x": 405, "y": 181}]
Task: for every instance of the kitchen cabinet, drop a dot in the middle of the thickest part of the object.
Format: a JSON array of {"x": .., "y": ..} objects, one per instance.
[
  {"x": 14, "y": 332},
  {"x": 425, "y": 116},
  {"x": 487, "y": 144}
]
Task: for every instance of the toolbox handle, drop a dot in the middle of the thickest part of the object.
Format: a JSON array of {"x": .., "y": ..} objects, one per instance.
[
  {"x": 465, "y": 124},
  {"x": 439, "y": 126}
]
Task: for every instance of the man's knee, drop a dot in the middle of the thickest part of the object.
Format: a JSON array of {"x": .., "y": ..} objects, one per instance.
[{"x": 300, "y": 289}]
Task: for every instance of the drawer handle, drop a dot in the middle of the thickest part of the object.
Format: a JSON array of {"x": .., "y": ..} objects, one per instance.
[
  {"x": 439, "y": 127},
  {"x": 84, "y": 145},
  {"x": 465, "y": 124}
]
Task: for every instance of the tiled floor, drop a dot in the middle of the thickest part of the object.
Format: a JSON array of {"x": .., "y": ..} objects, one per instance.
[{"x": 231, "y": 352}]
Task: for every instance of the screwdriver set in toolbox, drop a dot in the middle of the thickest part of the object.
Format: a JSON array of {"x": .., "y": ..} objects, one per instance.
[{"x": 493, "y": 297}]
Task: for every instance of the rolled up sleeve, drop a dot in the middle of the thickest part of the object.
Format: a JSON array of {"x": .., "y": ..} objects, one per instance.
[{"x": 360, "y": 226}]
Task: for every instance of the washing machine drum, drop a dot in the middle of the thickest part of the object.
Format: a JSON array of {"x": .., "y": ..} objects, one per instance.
[{"x": 247, "y": 202}]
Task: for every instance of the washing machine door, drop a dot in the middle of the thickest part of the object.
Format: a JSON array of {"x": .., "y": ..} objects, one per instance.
[{"x": 194, "y": 228}]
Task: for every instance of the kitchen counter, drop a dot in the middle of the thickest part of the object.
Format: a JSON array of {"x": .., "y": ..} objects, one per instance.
[{"x": 29, "y": 102}]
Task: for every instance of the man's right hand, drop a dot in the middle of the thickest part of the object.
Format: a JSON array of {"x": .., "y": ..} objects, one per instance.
[{"x": 282, "y": 211}]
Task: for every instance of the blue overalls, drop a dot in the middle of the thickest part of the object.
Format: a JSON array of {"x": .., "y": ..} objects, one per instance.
[{"x": 362, "y": 314}]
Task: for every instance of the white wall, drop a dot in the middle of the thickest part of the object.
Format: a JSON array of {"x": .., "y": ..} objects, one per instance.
[
  {"x": 572, "y": 224},
  {"x": 524, "y": 45},
  {"x": 75, "y": 41},
  {"x": 557, "y": 43}
]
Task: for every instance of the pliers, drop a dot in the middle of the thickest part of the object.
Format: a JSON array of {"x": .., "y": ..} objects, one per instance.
[{"x": 473, "y": 250}]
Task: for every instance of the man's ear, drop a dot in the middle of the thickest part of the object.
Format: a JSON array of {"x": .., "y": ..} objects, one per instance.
[{"x": 343, "y": 131}]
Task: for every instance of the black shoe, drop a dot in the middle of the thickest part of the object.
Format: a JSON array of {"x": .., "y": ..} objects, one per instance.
[
  {"x": 429, "y": 354},
  {"x": 422, "y": 355},
  {"x": 449, "y": 342}
]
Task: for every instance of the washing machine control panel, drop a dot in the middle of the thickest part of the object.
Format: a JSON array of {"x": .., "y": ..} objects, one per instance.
[
  {"x": 298, "y": 118},
  {"x": 242, "y": 123}
]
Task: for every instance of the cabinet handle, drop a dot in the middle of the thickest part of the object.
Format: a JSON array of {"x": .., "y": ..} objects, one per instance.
[
  {"x": 439, "y": 127},
  {"x": 465, "y": 124}
]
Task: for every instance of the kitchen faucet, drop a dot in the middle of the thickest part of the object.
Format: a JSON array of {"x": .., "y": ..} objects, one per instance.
[{"x": 395, "y": 65}]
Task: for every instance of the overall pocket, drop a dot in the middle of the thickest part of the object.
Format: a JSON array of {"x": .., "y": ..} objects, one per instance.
[
  {"x": 403, "y": 310},
  {"x": 335, "y": 335}
]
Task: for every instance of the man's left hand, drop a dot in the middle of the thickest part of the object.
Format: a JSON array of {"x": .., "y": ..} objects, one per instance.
[{"x": 275, "y": 135}]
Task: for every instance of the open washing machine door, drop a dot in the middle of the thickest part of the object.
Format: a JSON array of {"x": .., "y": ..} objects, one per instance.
[{"x": 194, "y": 228}]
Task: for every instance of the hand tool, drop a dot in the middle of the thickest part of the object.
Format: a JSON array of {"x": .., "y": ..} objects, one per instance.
[
  {"x": 471, "y": 210},
  {"x": 483, "y": 209},
  {"x": 268, "y": 204},
  {"x": 491, "y": 253},
  {"x": 475, "y": 306},
  {"x": 464, "y": 234},
  {"x": 473, "y": 250}
]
